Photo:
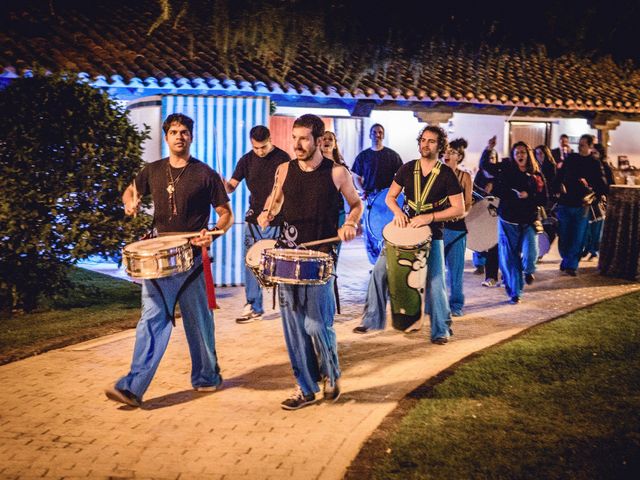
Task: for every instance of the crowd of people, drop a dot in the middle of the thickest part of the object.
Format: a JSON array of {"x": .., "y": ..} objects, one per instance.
[{"x": 315, "y": 198}]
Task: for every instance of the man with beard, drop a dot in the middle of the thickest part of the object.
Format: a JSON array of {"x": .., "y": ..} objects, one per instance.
[
  {"x": 308, "y": 191},
  {"x": 373, "y": 170},
  {"x": 258, "y": 168},
  {"x": 433, "y": 195}
]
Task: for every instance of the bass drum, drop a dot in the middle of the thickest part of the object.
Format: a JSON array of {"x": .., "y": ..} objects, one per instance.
[
  {"x": 482, "y": 224},
  {"x": 377, "y": 215}
]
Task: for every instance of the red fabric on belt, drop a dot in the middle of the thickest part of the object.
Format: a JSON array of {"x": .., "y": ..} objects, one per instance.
[{"x": 208, "y": 279}]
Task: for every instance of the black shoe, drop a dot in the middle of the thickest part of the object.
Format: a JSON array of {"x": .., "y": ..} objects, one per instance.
[
  {"x": 514, "y": 300},
  {"x": 562, "y": 269},
  {"x": 440, "y": 341},
  {"x": 479, "y": 270},
  {"x": 571, "y": 272},
  {"x": 122, "y": 396},
  {"x": 331, "y": 394},
  {"x": 360, "y": 329},
  {"x": 249, "y": 317},
  {"x": 298, "y": 400},
  {"x": 529, "y": 278}
]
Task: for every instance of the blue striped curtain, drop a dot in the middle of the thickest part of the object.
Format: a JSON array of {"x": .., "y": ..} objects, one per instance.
[{"x": 220, "y": 138}]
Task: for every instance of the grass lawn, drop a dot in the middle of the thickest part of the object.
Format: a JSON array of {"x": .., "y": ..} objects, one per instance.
[
  {"x": 97, "y": 305},
  {"x": 560, "y": 401}
]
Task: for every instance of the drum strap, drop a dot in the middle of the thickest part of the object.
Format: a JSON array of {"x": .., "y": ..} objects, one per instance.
[
  {"x": 420, "y": 205},
  {"x": 335, "y": 291},
  {"x": 171, "y": 312}
]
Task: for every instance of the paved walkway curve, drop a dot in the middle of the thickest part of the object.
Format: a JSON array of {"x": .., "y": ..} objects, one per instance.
[{"x": 56, "y": 423}]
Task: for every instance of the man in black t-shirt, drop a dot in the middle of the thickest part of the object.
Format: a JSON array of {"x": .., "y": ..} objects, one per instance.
[
  {"x": 373, "y": 170},
  {"x": 258, "y": 168},
  {"x": 439, "y": 199},
  {"x": 183, "y": 190}
]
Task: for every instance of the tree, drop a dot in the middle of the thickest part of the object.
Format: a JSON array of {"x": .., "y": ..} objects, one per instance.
[{"x": 67, "y": 152}]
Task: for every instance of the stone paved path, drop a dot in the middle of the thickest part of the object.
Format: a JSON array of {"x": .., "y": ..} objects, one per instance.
[{"x": 56, "y": 423}]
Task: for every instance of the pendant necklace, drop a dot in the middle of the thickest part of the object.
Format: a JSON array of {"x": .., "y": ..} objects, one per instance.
[{"x": 171, "y": 188}]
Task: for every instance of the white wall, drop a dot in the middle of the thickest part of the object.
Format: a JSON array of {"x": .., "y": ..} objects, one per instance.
[
  {"x": 150, "y": 116},
  {"x": 574, "y": 127},
  {"x": 625, "y": 140}
]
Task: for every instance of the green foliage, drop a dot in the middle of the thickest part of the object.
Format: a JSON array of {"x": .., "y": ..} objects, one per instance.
[{"x": 67, "y": 152}]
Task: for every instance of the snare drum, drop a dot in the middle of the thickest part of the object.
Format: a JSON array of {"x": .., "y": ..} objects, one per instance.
[
  {"x": 407, "y": 251},
  {"x": 254, "y": 255},
  {"x": 157, "y": 257},
  {"x": 482, "y": 224},
  {"x": 296, "y": 267}
]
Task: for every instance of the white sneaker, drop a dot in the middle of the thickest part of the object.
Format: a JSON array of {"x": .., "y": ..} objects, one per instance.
[{"x": 246, "y": 310}]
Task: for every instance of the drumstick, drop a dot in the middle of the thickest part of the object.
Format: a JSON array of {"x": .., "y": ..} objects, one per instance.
[
  {"x": 191, "y": 235},
  {"x": 320, "y": 242},
  {"x": 136, "y": 199}
]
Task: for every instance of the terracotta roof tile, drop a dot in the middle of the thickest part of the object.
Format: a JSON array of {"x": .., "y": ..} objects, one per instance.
[{"x": 118, "y": 44}]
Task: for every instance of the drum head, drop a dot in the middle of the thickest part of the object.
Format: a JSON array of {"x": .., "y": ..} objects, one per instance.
[
  {"x": 154, "y": 245},
  {"x": 377, "y": 214},
  {"x": 255, "y": 251},
  {"x": 482, "y": 223},
  {"x": 407, "y": 237}
]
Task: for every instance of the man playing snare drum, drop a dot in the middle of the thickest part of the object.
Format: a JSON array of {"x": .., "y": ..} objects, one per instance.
[
  {"x": 183, "y": 190},
  {"x": 432, "y": 196},
  {"x": 308, "y": 193}
]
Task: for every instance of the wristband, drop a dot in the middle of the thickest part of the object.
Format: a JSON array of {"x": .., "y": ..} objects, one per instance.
[{"x": 349, "y": 224}]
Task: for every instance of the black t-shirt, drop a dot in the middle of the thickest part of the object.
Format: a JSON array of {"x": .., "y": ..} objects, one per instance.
[
  {"x": 376, "y": 168},
  {"x": 259, "y": 174},
  {"x": 445, "y": 185},
  {"x": 197, "y": 188},
  {"x": 311, "y": 206}
]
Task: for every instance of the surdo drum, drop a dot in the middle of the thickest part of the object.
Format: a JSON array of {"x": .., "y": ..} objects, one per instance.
[
  {"x": 157, "y": 257},
  {"x": 482, "y": 224},
  {"x": 407, "y": 251},
  {"x": 254, "y": 256}
]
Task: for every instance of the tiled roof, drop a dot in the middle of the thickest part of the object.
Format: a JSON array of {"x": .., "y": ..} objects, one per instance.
[{"x": 113, "y": 51}]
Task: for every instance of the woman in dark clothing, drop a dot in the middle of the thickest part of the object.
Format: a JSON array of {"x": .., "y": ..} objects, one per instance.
[{"x": 521, "y": 188}]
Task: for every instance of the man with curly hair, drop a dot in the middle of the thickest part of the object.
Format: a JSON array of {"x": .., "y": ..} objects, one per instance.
[{"x": 432, "y": 196}]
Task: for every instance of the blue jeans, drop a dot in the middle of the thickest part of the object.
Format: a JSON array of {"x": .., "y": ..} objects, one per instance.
[
  {"x": 252, "y": 289},
  {"x": 592, "y": 237},
  {"x": 479, "y": 259},
  {"x": 307, "y": 317},
  {"x": 436, "y": 304},
  {"x": 154, "y": 329},
  {"x": 572, "y": 225},
  {"x": 455, "y": 244},
  {"x": 518, "y": 253}
]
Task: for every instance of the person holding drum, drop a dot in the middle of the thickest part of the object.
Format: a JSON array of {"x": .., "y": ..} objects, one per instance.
[
  {"x": 258, "y": 168},
  {"x": 373, "y": 171},
  {"x": 432, "y": 196},
  {"x": 309, "y": 192},
  {"x": 580, "y": 181},
  {"x": 521, "y": 188},
  {"x": 183, "y": 190},
  {"x": 455, "y": 231}
]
